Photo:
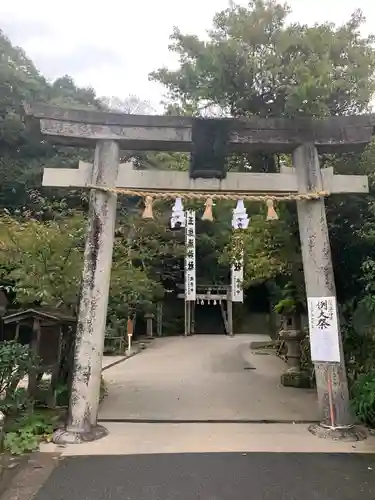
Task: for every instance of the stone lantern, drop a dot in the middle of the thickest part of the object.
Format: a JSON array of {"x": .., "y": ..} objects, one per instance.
[
  {"x": 149, "y": 317},
  {"x": 292, "y": 334}
]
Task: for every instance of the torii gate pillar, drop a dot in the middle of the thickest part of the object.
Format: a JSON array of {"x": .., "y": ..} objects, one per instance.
[
  {"x": 92, "y": 316},
  {"x": 331, "y": 379}
]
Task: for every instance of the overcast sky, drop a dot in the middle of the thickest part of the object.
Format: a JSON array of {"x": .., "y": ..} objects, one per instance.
[{"x": 112, "y": 45}]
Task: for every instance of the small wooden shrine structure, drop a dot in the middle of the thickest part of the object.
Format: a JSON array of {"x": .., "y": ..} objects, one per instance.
[{"x": 50, "y": 334}]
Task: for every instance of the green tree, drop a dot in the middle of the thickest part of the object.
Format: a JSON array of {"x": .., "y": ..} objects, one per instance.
[
  {"x": 255, "y": 63},
  {"x": 43, "y": 259},
  {"x": 22, "y": 154}
]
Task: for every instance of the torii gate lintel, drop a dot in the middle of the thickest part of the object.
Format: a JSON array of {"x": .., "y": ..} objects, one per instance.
[{"x": 174, "y": 133}]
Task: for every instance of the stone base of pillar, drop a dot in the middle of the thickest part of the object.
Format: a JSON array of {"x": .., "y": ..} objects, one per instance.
[
  {"x": 70, "y": 436},
  {"x": 350, "y": 433}
]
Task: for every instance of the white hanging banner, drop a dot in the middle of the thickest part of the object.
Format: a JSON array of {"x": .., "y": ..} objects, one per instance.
[
  {"x": 323, "y": 328},
  {"x": 237, "y": 279},
  {"x": 190, "y": 271},
  {"x": 240, "y": 220},
  {"x": 178, "y": 215}
]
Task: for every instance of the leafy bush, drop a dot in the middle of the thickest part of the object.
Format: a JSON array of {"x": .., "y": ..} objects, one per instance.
[
  {"x": 16, "y": 361},
  {"x": 359, "y": 349},
  {"x": 363, "y": 398},
  {"x": 290, "y": 302},
  {"x": 43, "y": 259},
  {"x": 25, "y": 433}
]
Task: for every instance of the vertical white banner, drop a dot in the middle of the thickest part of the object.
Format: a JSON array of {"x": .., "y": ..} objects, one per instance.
[
  {"x": 237, "y": 279},
  {"x": 240, "y": 220},
  {"x": 190, "y": 271},
  {"x": 323, "y": 329}
]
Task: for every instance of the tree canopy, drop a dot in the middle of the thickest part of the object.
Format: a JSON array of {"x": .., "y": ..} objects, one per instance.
[{"x": 255, "y": 62}]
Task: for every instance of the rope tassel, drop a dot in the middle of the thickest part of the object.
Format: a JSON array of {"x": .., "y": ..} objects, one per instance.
[
  {"x": 271, "y": 212},
  {"x": 148, "y": 213},
  {"x": 208, "y": 210}
]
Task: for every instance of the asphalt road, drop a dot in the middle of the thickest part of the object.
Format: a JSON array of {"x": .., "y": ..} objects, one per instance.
[{"x": 215, "y": 476}]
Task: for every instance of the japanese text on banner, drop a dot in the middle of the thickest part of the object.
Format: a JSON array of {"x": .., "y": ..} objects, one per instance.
[
  {"x": 324, "y": 332},
  {"x": 190, "y": 271},
  {"x": 237, "y": 279}
]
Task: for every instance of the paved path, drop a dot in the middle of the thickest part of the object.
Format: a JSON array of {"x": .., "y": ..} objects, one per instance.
[{"x": 204, "y": 378}]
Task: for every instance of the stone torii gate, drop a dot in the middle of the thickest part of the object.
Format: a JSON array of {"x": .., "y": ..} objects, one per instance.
[{"x": 109, "y": 133}]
